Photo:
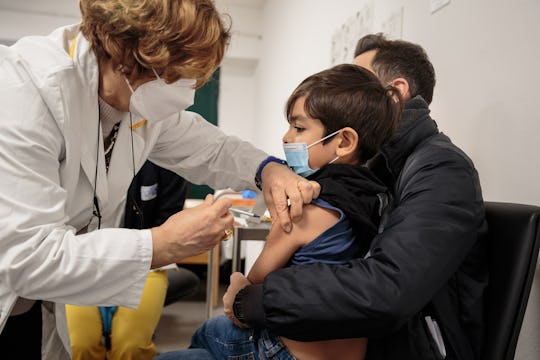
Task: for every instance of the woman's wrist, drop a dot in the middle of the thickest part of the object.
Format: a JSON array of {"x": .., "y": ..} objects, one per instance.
[
  {"x": 157, "y": 251},
  {"x": 258, "y": 175}
]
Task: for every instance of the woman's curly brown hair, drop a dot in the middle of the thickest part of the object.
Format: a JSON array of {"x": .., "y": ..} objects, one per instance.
[{"x": 177, "y": 38}]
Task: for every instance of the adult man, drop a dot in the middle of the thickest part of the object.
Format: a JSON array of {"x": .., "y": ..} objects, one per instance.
[{"x": 418, "y": 293}]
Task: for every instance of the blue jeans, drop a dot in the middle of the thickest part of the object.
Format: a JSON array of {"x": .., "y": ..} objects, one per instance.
[{"x": 220, "y": 337}]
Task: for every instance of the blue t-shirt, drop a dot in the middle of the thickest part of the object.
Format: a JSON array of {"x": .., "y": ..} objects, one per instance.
[{"x": 336, "y": 245}]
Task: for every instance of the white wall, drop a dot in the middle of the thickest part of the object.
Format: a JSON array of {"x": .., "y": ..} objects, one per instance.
[
  {"x": 16, "y": 24},
  {"x": 237, "y": 112},
  {"x": 486, "y": 92},
  {"x": 237, "y": 91}
]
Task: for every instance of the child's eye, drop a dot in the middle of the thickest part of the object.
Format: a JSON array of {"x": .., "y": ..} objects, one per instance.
[{"x": 299, "y": 129}]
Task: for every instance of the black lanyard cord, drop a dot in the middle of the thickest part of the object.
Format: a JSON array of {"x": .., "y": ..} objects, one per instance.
[{"x": 97, "y": 211}]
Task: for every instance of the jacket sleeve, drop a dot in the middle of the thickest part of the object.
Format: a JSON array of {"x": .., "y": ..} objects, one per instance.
[
  {"x": 172, "y": 192},
  {"x": 425, "y": 239},
  {"x": 200, "y": 152}
]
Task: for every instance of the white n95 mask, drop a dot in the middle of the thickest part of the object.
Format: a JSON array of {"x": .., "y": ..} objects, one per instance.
[
  {"x": 156, "y": 100},
  {"x": 297, "y": 156}
]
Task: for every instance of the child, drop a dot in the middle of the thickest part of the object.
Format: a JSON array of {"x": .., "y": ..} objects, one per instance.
[{"x": 338, "y": 119}]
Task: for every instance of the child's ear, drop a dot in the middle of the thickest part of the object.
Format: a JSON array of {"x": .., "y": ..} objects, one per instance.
[{"x": 348, "y": 142}]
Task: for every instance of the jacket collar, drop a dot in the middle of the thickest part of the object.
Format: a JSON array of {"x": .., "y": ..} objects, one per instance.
[{"x": 414, "y": 127}]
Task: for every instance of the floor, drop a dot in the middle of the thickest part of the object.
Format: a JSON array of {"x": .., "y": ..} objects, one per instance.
[{"x": 179, "y": 320}]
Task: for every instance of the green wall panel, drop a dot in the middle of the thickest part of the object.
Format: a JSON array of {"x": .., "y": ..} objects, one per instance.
[{"x": 206, "y": 104}]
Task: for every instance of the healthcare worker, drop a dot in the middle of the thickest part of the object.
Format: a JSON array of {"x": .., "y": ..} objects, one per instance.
[{"x": 65, "y": 171}]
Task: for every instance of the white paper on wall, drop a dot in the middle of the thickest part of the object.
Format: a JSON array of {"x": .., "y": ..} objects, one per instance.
[{"x": 345, "y": 37}]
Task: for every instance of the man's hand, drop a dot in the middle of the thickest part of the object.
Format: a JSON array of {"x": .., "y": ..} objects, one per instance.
[
  {"x": 191, "y": 231},
  {"x": 237, "y": 282},
  {"x": 281, "y": 184}
]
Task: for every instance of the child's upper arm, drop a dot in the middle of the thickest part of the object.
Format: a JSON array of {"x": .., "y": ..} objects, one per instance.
[{"x": 280, "y": 246}]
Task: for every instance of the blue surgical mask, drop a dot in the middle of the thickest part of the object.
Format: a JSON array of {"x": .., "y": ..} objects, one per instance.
[{"x": 297, "y": 156}]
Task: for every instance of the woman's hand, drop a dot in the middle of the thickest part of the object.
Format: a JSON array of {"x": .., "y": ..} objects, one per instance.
[
  {"x": 281, "y": 184},
  {"x": 238, "y": 282},
  {"x": 191, "y": 231}
]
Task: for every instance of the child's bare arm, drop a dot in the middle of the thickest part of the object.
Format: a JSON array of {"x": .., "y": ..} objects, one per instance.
[{"x": 280, "y": 246}]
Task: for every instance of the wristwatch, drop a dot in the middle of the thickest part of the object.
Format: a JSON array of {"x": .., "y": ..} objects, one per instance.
[
  {"x": 238, "y": 307},
  {"x": 258, "y": 180}
]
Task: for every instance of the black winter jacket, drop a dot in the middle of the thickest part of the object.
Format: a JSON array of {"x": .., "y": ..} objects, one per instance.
[{"x": 429, "y": 260}]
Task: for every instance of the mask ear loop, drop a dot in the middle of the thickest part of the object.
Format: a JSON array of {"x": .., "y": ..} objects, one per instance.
[
  {"x": 324, "y": 138},
  {"x": 128, "y": 84},
  {"x": 337, "y": 157},
  {"x": 155, "y": 73},
  {"x": 332, "y": 161}
]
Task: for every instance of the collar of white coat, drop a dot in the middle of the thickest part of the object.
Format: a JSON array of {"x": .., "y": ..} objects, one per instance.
[{"x": 86, "y": 67}]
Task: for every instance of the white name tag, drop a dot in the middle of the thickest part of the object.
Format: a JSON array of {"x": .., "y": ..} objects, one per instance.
[{"x": 149, "y": 192}]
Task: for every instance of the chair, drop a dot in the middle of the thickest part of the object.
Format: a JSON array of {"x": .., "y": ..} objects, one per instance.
[
  {"x": 513, "y": 241},
  {"x": 182, "y": 283}
]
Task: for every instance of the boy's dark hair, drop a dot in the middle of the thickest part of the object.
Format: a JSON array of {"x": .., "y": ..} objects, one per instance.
[
  {"x": 398, "y": 58},
  {"x": 351, "y": 96}
]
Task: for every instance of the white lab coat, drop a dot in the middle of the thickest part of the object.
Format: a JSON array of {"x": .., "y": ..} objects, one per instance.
[{"x": 48, "y": 145}]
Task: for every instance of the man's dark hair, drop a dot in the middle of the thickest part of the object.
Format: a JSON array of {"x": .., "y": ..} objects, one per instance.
[
  {"x": 351, "y": 96},
  {"x": 398, "y": 58}
]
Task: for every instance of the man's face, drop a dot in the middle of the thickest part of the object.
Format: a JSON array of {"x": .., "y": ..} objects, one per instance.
[{"x": 365, "y": 59}]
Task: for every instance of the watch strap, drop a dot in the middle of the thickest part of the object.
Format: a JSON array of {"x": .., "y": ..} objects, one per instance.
[{"x": 258, "y": 179}]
